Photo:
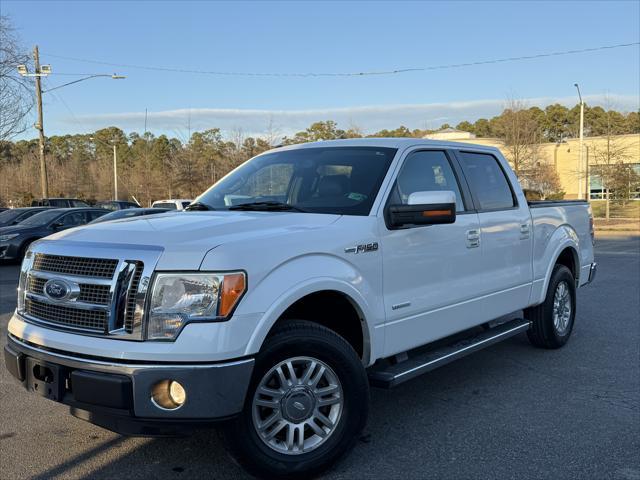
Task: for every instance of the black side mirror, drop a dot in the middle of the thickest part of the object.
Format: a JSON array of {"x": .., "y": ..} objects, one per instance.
[
  {"x": 57, "y": 225},
  {"x": 424, "y": 208}
]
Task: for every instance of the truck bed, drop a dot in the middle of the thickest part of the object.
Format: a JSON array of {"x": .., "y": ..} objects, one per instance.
[{"x": 555, "y": 223}]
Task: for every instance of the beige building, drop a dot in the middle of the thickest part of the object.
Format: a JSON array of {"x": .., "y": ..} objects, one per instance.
[
  {"x": 450, "y": 134},
  {"x": 565, "y": 157}
]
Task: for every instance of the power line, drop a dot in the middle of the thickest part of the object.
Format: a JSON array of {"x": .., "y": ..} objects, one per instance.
[{"x": 347, "y": 74}]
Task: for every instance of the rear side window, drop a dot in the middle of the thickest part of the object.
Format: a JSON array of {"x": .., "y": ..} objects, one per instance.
[
  {"x": 488, "y": 182},
  {"x": 73, "y": 219}
]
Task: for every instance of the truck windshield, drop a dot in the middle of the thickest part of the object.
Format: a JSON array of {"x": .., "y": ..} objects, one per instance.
[{"x": 338, "y": 180}]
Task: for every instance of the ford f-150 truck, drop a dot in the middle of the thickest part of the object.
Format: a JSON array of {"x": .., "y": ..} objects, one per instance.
[{"x": 289, "y": 287}]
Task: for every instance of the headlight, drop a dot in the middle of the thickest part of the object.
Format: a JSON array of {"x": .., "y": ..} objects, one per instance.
[
  {"x": 180, "y": 298},
  {"x": 7, "y": 237}
]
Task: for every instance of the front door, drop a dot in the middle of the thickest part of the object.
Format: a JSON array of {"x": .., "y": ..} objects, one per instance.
[{"x": 430, "y": 272}]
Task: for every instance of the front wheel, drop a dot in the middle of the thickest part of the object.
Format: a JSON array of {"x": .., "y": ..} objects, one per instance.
[
  {"x": 307, "y": 402},
  {"x": 552, "y": 321}
]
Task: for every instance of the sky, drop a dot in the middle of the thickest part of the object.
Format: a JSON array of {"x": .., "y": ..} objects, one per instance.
[{"x": 321, "y": 37}]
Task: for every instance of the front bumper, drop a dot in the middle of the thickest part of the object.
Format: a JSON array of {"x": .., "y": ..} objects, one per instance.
[{"x": 117, "y": 395}]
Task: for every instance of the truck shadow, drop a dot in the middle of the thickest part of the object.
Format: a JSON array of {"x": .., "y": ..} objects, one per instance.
[{"x": 415, "y": 414}]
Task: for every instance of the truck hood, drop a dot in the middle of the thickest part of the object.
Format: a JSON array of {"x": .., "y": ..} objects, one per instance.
[{"x": 185, "y": 237}]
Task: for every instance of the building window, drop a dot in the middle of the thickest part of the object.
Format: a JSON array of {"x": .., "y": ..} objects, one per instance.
[{"x": 623, "y": 179}]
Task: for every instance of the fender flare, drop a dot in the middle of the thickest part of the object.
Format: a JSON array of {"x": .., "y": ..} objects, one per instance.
[
  {"x": 564, "y": 237},
  {"x": 301, "y": 290}
]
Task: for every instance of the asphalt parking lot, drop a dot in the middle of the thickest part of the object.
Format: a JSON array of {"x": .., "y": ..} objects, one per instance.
[{"x": 511, "y": 411}]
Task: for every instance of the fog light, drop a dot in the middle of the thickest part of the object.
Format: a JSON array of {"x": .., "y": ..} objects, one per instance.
[
  {"x": 177, "y": 393},
  {"x": 168, "y": 395}
]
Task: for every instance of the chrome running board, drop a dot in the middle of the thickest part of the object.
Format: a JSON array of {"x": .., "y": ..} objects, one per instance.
[{"x": 391, "y": 375}]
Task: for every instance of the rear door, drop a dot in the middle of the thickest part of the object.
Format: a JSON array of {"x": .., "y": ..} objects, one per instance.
[{"x": 505, "y": 234}]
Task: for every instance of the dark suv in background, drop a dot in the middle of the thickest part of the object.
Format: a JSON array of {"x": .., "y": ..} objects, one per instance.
[
  {"x": 15, "y": 240},
  {"x": 59, "y": 202},
  {"x": 116, "y": 205}
]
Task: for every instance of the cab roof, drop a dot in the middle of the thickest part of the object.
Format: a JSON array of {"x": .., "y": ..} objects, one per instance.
[{"x": 399, "y": 143}]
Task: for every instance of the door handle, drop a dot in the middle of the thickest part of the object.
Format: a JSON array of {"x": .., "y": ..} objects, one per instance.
[
  {"x": 473, "y": 238},
  {"x": 524, "y": 231}
]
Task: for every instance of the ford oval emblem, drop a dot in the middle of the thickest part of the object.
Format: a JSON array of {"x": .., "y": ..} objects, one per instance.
[{"x": 56, "y": 289}]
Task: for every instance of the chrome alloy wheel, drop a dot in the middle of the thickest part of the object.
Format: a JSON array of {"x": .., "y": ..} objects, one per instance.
[
  {"x": 561, "y": 308},
  {"x": 297, "y": 405}
]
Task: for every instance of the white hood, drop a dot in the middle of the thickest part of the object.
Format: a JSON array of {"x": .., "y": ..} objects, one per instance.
[{"x": 185, "y": 237}]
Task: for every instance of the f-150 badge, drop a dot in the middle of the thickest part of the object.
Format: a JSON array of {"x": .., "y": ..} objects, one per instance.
[{"x": 362, "y": 248}]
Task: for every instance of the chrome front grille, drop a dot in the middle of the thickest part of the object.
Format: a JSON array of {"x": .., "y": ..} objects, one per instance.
[
  {"x": 67, "y": 316},
  {"x": 96, "y": 294},
  {"x": 129, "y": 315},
  {"x": 85, "y": 267},
  {"x": 106, "y": 296}
]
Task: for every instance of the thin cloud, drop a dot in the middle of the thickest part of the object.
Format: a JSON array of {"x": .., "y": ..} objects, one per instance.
[{"x": 369, "y": 118}]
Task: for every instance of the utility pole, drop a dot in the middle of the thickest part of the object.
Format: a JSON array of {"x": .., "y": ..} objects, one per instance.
[
  {"x": 581, "y": 158},
  {"x": 43, "y": 71},
  {"x": 40, "y": 125},
  {"x": 115, "y": 172}
]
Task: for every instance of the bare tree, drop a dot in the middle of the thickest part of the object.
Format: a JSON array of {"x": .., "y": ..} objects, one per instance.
[
  {"x": 520, "y": 134},
  {"x": 272, "y": 133},
  {"x": 609, "y": 162},
  {"x": 543, "y": 179},
  {"x": 16, "y": 95}
]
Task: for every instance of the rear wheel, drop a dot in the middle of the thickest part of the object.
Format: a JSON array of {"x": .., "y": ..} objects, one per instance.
[
  {"x": 307, "y": 402},
  {"x": 552, "y": 320}
]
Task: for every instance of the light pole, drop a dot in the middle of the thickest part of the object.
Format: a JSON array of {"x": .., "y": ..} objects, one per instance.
[
  {"x": 580, "y": 159},
  {"x": 115, "y": 172},
  {"x": 115, "y": 164},
  {"x": 43, "y": 71}
]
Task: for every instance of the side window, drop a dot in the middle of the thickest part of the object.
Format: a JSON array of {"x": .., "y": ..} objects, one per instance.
[
  {"x": 73, "y": 219},
  {"x": 487, "y": 181},
  {"x": 423, "y": 172},
  {"x": 95, "y": 214}
]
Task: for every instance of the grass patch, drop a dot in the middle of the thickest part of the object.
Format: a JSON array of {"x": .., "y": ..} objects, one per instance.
[{"x": 616, "y": 209}]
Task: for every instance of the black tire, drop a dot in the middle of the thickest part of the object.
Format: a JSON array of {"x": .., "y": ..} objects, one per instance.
[
  {"x": 302, "y": 339},
  {"x": 543, "y": 332},
  {"x": 23, "y": 249}
]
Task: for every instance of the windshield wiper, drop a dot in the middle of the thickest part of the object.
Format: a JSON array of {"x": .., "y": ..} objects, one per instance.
[
  {"x": 199, "y": 206},
  {"x": 267, "y": 206}
]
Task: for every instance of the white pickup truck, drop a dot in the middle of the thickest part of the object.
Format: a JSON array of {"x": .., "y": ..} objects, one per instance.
[{"x": 291, "y": 285}]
